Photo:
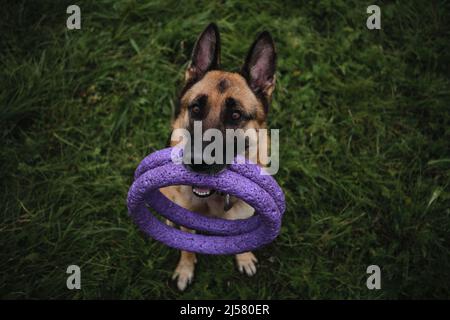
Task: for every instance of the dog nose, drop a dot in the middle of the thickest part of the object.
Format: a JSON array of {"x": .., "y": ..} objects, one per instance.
[{"x": 205, "y": 167}]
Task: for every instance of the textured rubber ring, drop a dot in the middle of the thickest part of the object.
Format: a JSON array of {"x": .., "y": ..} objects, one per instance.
[{"x": 243, "y": 180}]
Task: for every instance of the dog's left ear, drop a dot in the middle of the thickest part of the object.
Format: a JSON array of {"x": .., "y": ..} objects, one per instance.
[
  {"x": 206, "y": 54},
  {"x": 260, "y": 64}
]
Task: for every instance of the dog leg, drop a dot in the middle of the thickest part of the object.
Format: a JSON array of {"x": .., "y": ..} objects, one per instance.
[
  {"x": 246, "y": 263},
  {"x": 183, "y": 196},
  {"x": 170, "y": 223},
  {"x": 184, "y": 272}
]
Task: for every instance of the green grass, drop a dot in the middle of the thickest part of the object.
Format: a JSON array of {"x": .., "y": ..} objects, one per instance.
[{"x": 364, "y": 143}]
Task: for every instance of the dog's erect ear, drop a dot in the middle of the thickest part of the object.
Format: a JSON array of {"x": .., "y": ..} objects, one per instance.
[
  {"x": 260, "y": 64},
  {"x": 206, "y": 53}
]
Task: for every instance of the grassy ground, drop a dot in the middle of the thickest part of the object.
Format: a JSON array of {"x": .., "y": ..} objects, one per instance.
[{"x": 364, "y": 141}]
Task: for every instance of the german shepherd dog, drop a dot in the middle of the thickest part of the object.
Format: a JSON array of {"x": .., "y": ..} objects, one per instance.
[{"x": 221, "y": 100}]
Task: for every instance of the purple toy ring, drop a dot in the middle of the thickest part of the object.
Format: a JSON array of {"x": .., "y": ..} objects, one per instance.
[{"x": 244, "y": 181}]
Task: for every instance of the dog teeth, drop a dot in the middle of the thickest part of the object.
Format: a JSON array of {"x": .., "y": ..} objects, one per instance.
[{"x": 201, "y": 193}]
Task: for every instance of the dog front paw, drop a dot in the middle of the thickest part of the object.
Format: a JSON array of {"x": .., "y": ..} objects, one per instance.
[
  {"x": 246, "y": 263},
  {"x": 184, "y": 273}
]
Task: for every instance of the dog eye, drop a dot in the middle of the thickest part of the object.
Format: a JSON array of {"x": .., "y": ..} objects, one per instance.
[
  {"x": 196, "y": 109},
  {"x": 236, "y": 115}
]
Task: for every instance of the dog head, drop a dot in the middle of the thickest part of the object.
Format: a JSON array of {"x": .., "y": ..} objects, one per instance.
[{"x": 225, "y": 100}]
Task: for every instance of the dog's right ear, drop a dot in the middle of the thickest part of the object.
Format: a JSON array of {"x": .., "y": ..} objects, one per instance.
[{"x": 206, "y": 54}]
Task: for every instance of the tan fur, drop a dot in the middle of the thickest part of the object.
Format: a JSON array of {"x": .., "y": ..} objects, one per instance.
[
  {"x": 217, "y": 92},
  {"x": 209, "y": 85}
]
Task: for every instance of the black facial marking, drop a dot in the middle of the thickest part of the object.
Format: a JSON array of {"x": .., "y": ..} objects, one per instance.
[
  {"x": 197, "y": 108},
  {"x": 223, "y": 85},
  {"x": 230, "y": 102},
  {"x": 233, "y": 106}
]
